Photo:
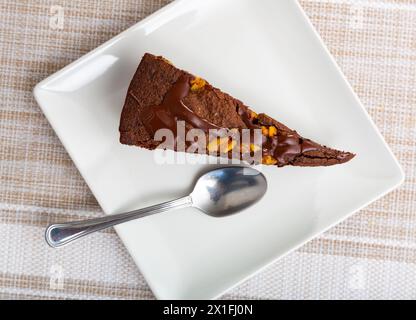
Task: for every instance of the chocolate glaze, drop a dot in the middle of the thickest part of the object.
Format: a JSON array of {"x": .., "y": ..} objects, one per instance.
[
  {"x": 284, "y": 147},
  {"x": 173, "y": 109}
]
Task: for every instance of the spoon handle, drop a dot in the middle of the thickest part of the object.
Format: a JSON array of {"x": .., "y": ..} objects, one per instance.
[{"x": 60, "y": 234}]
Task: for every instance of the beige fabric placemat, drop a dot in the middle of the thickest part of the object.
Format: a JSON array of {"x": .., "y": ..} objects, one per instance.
[{"x": 371, "y": 255}]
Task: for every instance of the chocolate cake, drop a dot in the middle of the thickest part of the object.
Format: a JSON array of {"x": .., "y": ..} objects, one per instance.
[{"x": 160, "y": 96}]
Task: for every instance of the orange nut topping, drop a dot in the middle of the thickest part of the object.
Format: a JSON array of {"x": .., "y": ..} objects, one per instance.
[
  {"x": 272, "y": 131},
  {"x": 254, "y": 147},
  {"x": 224, "y": 145},
  {"x": 197, "y": 84},
  {"x": 229, "y": 146},
  {"x": 269, "y": 160}
]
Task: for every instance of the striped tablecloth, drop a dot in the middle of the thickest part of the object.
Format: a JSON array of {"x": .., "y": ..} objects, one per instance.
[{"x": 371, "y": 255}]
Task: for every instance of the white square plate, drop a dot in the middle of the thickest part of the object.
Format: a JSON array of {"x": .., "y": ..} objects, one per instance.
[{"x": 266, "y": 54}]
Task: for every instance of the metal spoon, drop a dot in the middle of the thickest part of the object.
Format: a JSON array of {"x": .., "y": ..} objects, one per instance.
[{"x": 218, "y": 193}]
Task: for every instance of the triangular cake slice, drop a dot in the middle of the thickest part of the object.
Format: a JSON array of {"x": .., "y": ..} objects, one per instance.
[{"x": 160, "y": 95}]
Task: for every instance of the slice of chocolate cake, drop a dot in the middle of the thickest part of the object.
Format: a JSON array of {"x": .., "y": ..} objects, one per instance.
[{"x": 160, "y": 96}]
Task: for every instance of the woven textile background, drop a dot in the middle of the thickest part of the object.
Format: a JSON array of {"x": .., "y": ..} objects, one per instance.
[{"x": 371, "y": 255}]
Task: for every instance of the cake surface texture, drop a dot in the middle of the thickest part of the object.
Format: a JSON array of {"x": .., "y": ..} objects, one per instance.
[{"x": 161, "y": 95}]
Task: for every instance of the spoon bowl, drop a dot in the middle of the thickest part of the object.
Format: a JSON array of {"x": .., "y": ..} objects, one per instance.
[{"x": 226, "y": 191}]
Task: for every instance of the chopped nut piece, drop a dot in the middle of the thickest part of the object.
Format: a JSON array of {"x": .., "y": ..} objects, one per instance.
[
  {"x": 272, "y": 131},
  {"x": 197, "y": 84},
  {"x": 254, "y": 147},
  {"x": 269, "y": 160},
  {"x": 231, "y": 144},
  {"x": 213, "y": 145},
  {"x": 224, "y": 145},
  {"x": 264, "y": 131}
]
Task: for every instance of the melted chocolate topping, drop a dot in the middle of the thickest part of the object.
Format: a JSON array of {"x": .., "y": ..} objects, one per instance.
[
  {"x": 284, "y": 147},
  {"x": 173, "y": 109}
]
